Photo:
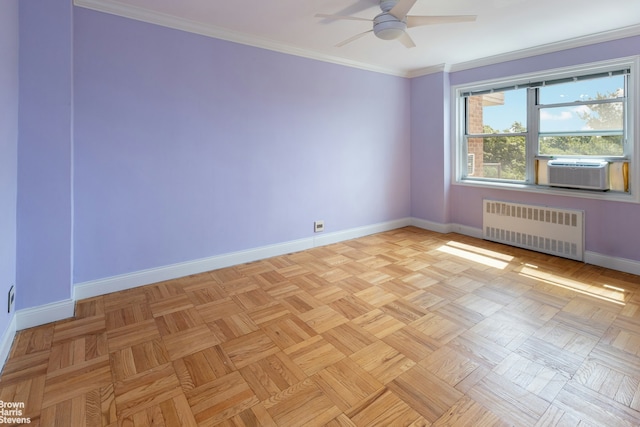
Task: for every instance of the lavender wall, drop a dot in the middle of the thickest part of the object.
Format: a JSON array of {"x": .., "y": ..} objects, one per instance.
[
  {"x": 8, "y": 149},
  {"x": 611, "y": 227},
  {"x": 141, "y": 146},
  {"x": 430, "y": 153},
  {"x": 188, "y": 147},
  {"x": 44, "y": 153}
]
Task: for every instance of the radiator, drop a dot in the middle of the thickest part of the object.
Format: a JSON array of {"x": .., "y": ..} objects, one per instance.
[{"x": 550, "y": 230}]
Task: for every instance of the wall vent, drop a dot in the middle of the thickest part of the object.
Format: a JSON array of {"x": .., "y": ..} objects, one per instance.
[
  {"x": 543, "y": 229},
  {"x": 471, "y": 164},
  {"x": 574, "y": 173}
]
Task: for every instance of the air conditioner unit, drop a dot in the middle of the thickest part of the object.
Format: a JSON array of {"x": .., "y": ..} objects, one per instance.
[{"x": 578, "y": 173}]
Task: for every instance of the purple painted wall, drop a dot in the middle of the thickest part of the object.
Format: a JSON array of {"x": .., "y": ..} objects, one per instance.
[
  {"x": 44, "y": 153},
  {"x": 611, "y": 227},
  {"x": 430, "y": 153},
  {"x": 188, "y": 147},
  {"x": 8, "y": 150},
  {"x": 141, "y": 146}
]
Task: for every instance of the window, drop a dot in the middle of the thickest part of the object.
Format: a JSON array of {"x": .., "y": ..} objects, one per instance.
[
  {"x": 583, "y": 118},
  {"x": 495, "y": 133},
  {"x": 507, "y": 131}
]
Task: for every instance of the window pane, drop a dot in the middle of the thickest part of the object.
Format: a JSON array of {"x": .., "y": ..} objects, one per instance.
[
  {"x": 601, "y": 88},
  {"x": 582, "y": 145},
  {"x": 591, "y": 117},
  {"x": 497, "y": 157},
  {"x": 497, "y": 112}
]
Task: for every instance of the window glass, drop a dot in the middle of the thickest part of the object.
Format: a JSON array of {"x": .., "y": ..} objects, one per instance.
[
  {"x": 497, "y": 112},
  {"x": 607, "y": 116},
  {"x": 599, "y": 146},
  {"x": 598, "y": 88},
  {"x": 508, "y": 131},
  {"x": 498, "y": 157}
]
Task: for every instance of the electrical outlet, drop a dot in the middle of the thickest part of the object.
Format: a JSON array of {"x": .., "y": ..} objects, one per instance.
[
  {"x": 318, "y": 226},
  {"x": 11, "y": 299}
]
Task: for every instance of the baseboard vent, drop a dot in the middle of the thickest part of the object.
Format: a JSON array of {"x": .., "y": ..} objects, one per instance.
[{"x": 543, "y": 229}]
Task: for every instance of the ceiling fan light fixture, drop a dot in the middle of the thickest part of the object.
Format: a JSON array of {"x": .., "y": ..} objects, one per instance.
[
  {"x": 388, "y": 27},
  {"x": 394, "y": 20}
]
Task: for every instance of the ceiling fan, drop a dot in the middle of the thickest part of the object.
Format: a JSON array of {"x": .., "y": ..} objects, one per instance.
[{"x": 394, "y": 20}]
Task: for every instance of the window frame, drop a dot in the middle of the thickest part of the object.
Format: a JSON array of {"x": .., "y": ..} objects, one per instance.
[{"x": 631, "y": 122}]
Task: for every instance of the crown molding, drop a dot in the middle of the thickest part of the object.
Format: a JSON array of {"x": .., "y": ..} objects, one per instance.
[
  {"x": 440, "y": 68},
  {"x": 140, "y": 14},
  {"x": 176, "y": 23},
  {"x": 590, "y": 39}
]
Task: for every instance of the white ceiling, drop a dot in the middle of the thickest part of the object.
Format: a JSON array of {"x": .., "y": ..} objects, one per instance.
[{"x": 504, "y": 29}]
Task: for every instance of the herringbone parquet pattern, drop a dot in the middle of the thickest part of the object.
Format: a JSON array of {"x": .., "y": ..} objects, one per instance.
[{"x": 406, "y": 327}]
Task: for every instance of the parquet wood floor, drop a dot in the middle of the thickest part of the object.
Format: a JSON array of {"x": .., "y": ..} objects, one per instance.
[{"x": 402, "y": 328}]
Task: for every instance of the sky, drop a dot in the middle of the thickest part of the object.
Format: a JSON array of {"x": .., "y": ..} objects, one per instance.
[{"x": 501, "y": 117}]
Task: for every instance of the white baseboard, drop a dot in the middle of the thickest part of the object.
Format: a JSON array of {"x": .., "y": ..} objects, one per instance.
[
  {"x": 447, "y": 228},
  {"x": 144, "y": 277},
  {"x": 154, "y": 275},
  {"x": 30, "y": 317},
  {"x": 35, "y": 316},
  {"x": 594, "y": 258},
  {"x": 42, "y": 314},
  {"x": 7, "y": 341},
  {"x": 354, "y": 233},
  {"x": 431, "y": 226},
  {"x": 619, "y": 264},
  {"x": 467, "y": 231}
]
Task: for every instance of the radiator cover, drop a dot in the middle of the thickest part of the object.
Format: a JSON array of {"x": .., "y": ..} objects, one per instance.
[{"x": 554, "y": 231}]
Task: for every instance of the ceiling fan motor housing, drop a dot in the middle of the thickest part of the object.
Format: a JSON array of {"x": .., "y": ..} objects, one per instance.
[
  {"x": 387, "y": 5},
  {"x": 388, "y": 27}
]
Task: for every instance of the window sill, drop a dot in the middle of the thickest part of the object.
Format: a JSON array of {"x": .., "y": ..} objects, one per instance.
[{"x": 610, "y": 196}]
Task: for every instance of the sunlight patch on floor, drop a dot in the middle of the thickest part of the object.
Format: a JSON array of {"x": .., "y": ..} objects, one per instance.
[
  {"x": 475, "y": 254},
  {"x": 604, "y": 292}
]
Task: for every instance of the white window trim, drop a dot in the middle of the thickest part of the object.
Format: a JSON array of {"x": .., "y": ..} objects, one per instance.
[{"x": 633, "y": 129}]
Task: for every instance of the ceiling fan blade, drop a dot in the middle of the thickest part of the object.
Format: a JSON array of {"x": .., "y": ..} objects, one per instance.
[
  {"x": 401, "y": 8},
  {"x": 406, "y": 40},
  {"x": 354, "y": 38},
  {"x": 416, "y": 21},
  {"x": 342, "y": 17},
  {"x": 362, "y": 5}
]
